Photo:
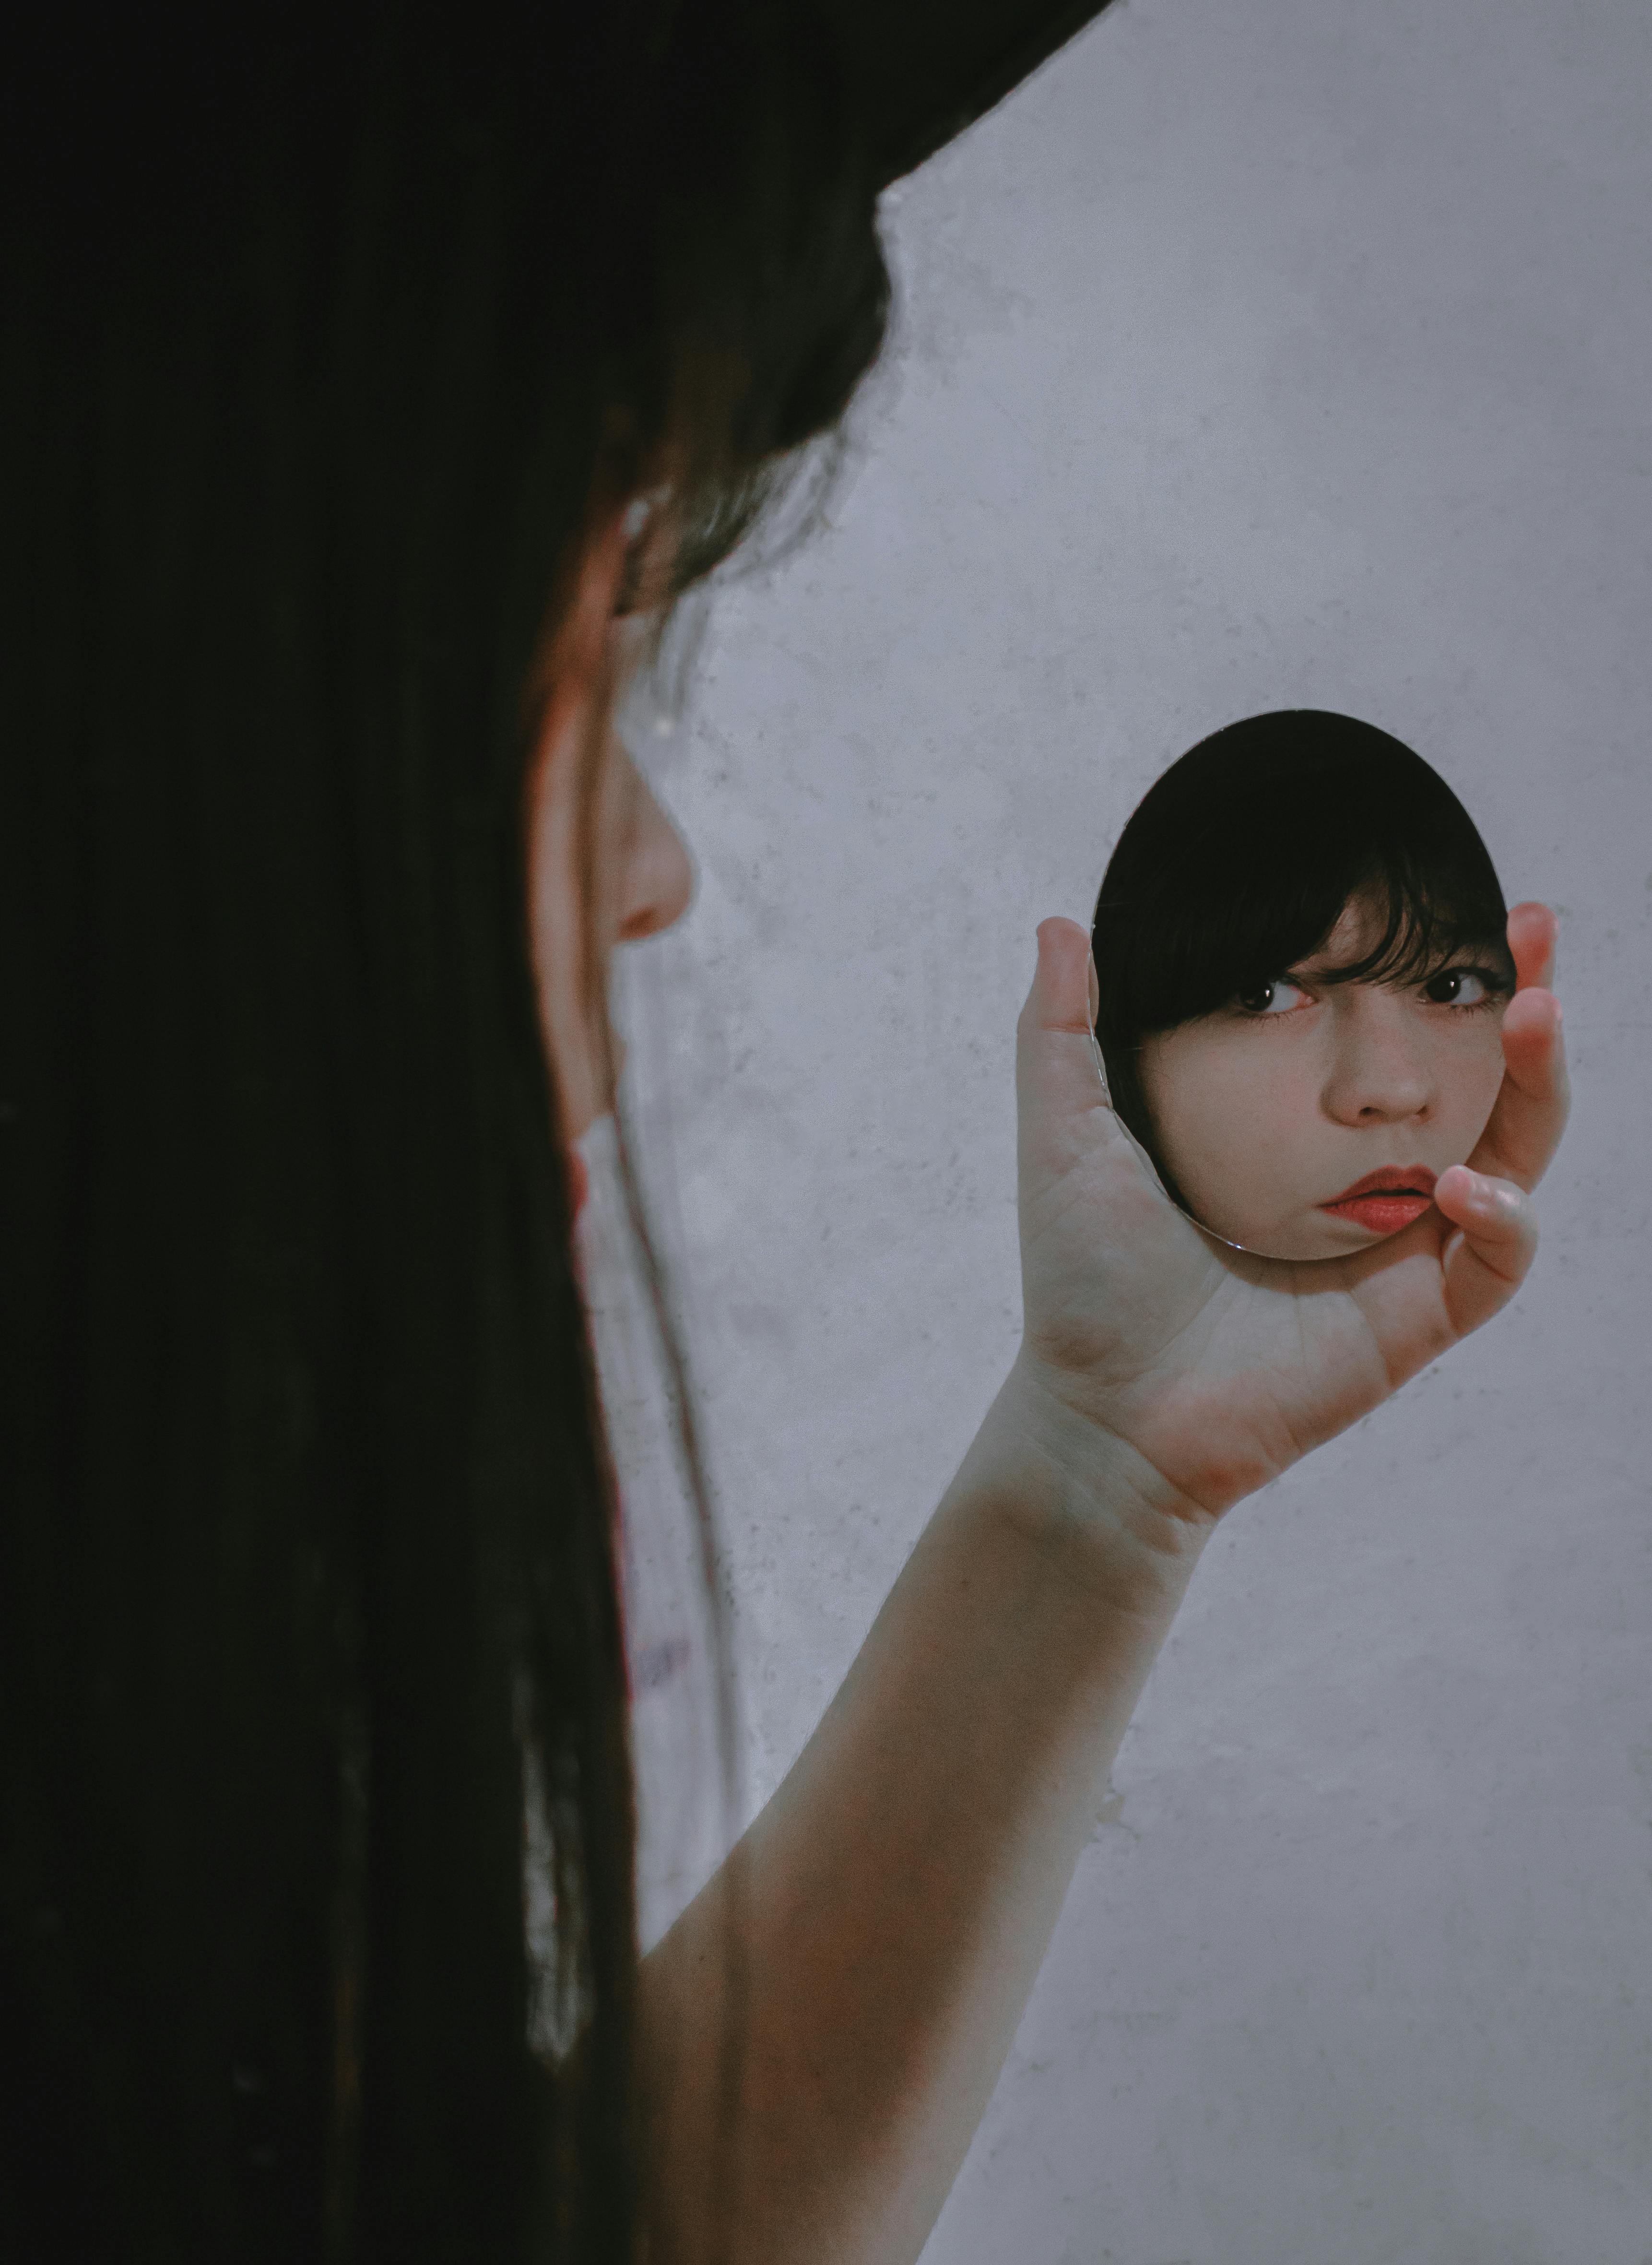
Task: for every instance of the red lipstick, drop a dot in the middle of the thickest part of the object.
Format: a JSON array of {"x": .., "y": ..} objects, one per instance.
[{"x": 1386, "y": 1200}]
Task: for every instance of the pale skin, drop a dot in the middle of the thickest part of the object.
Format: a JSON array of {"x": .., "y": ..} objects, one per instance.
[
  {"x": 1265, "y": 1111},
  {"x": 895, "y": 1898}
]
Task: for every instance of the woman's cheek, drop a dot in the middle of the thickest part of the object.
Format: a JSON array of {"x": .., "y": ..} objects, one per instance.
[
  {"x": 1470, "y": 1073},
  {"x": 1231, "y": 1125},
  {"x": 1489, "y": 1069}
]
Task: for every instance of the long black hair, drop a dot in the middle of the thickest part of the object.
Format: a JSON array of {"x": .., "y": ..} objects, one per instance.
[
  {"x": 1239, "y": 860},
  {"x": 321, "y": 326}
]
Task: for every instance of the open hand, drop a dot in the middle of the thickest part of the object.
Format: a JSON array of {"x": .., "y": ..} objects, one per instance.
[{"x": 1216, "y": 1368}]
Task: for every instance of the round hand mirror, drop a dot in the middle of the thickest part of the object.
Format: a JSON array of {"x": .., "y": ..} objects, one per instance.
[{"x": 1300, "y": 949}]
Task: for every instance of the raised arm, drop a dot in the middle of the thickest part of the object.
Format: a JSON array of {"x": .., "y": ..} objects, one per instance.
[
  {"x": 897, "y": 1895},
  {"x": 893, "y": 1901}
]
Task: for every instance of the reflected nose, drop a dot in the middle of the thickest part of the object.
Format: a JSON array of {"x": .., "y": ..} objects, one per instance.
[
  {"x": 658, "y": 879},
  {"x": 1381, "y": 1071}
]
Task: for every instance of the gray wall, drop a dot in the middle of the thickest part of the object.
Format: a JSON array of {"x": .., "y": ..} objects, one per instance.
[{"x": 1258, "y": 353}]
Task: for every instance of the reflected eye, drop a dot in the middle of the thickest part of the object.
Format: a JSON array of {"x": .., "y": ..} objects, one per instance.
[
  {"x": 1275, "y": 998},
  {"x": 1457, "y": 986}
]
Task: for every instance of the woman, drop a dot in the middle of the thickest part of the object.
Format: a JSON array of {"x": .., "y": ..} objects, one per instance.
[{"x": 369, "y": 374}]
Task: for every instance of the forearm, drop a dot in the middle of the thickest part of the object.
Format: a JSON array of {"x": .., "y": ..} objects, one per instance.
[{"x": 893, "y": 1902}]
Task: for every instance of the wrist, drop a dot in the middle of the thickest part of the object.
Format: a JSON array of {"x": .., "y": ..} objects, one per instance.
[{"x": 1084, "y": 1496}]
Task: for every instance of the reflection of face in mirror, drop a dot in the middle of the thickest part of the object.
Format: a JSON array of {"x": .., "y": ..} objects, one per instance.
[{"x": 1300, "y": 949}]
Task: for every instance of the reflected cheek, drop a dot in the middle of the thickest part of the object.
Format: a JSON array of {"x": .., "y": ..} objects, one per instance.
[
  {"x": 1468, "y": 1077},
  {"x": 1228, "y": 1127}
]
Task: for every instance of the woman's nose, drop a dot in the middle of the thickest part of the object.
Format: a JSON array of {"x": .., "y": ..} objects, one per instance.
[
  {"x": 1381, "y": 1071},
  {"x": 657, "y": 880}
]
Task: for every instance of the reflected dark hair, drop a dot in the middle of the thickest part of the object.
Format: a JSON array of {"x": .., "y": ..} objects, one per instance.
[
  {"x": 325, "y": 327},
  {"x": 1239, "y": 861}
]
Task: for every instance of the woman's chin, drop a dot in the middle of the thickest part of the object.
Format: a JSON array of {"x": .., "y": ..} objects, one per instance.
[
  {"x": 1303, "y": 1240},
  {"x": 1333, "y": 1236},
  {"x": 1292, "y": 1238},
  {"x": 1315, "y": 1233}
]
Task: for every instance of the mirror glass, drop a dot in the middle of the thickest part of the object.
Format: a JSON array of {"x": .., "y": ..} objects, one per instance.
[{"x": 1299, "y": 944}]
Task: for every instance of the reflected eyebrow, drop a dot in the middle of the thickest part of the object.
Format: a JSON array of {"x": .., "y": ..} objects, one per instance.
[
  {"x": 1485, "y": 955},
  {"x": 1313, "y": 971}
]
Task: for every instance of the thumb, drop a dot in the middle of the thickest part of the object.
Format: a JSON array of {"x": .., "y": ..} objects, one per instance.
[
  {"x": 1057, "y": 1065},
  {"x": 1064, "y": 995}
]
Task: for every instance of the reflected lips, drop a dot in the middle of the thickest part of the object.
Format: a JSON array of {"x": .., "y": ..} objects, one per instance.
[{"x": 1387, "y": 1200}]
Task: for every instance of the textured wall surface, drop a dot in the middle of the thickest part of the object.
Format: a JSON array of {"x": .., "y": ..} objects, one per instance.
[{"x": 1257, "y": 354}]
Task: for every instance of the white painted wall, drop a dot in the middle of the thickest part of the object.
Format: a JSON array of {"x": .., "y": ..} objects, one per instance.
[{"x": 1258, "y": 353}]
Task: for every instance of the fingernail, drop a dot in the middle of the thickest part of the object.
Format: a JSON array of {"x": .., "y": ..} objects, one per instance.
[{"x": 1478, "y": 1189}]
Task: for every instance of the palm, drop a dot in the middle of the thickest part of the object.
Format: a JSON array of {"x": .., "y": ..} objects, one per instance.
[{"x": 1219, "y": 1368}]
